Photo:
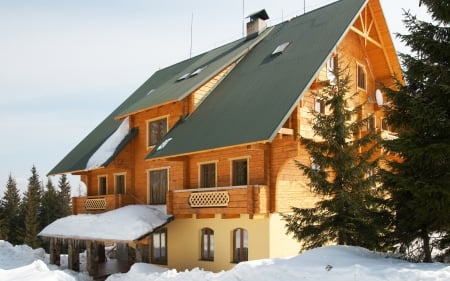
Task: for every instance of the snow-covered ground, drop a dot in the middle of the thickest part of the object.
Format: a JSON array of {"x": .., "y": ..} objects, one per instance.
[{"x": 333, "y": 263}]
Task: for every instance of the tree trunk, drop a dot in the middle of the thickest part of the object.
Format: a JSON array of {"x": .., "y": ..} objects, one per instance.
[{"x": 426, "y": 246}]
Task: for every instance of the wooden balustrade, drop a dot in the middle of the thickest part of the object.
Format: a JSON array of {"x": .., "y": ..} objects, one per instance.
[
  {"x": 101, "y": 203},
  {"x": 233, "y": 200}
]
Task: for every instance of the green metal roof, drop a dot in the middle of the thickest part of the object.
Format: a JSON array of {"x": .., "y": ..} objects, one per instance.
[
  {"x": 160, "y": 88},
  {"x": 252, "y": 103}
]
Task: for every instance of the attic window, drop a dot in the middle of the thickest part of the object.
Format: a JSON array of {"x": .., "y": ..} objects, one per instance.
[{"x": 280, "y": 49}]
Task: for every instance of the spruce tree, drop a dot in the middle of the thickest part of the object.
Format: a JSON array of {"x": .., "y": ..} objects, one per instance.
[
  {"x": 65, "y": 198},
  {"x": 418, "y": 110},
  {"x": 12, "y": 228},
  {"x": 350, "y": 211},
  {"x": 50, "y": 205},
  {"x": 31, "y": 209}
]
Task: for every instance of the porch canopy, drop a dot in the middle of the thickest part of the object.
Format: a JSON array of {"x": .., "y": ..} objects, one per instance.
[{"x": 126, "y": 224}]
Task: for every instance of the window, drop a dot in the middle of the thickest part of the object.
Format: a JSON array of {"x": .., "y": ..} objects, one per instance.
[
  {"x": 158, "y": 186},
  {"x": 156, "y": 130},
  {"x": 384, "y": 124},
  {"x": 208, "y": 175},
  {"x": 102, "y": 185},
  {"x": 159, "y": 246},
  {"x": 331, "y": 69},
  {"x": 119, "y": 181},
  {"x": 314, "y": 165},
  {"x": 207, "y": 244},
  {"x": 280, "y": 48},
  {"x": 239, "y": 172},
  {"x": 371, "y": 123},
  {"x": 361, "y": 77},
  {"x": 319, "y": 106},
  {"x": 240, "y": 245}
]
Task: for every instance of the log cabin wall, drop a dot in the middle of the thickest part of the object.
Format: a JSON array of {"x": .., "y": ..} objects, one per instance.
[{"x": 268, "y": 164}]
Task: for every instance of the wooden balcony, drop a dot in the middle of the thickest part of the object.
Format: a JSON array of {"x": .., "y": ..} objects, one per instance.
[
  {"x": 229, "y": 201},
  {"x": 100, "y": 204}
]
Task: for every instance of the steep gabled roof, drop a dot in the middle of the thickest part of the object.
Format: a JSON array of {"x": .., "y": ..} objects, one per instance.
[
  {"x": 252, "y": 103},
  {"x": 162, "y": 87}
]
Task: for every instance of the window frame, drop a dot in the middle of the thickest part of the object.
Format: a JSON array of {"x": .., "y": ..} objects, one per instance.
[
  {"x": 162, "y": 249},
  {"x": 208, "y": 253},
  {"x": 99, "y": 178},
  {"x": 239, "y": 253},
  {"x": 319, "y": 106},
  {"x": 124, "y": 175},
  {"x": 361, "y": 69},
  {"x": 150, "y": 142},
  {"x": 234, "y": 180},
  {"x": 371, "y": 123},
  {"x": 201, "y": 176},
  {"x": 149, "y": 185}
]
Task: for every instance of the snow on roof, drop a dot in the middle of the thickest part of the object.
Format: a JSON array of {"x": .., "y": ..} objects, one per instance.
[
  {"x": 107, "y": 149},
  {"x": 124, "y": 224}
]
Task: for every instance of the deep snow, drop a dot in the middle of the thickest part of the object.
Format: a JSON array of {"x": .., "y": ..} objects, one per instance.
[{"x": 332, "y": 263}]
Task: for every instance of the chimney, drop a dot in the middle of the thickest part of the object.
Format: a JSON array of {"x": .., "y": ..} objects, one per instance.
[{"x": 257, "y": 23}]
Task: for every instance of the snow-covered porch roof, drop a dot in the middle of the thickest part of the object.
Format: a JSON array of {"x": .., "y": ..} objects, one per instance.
[{"x": 126, "y": 224}]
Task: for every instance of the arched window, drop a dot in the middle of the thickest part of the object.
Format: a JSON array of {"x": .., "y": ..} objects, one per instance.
[
  {"x": 240, "y": 245},
  {"x": 207, "y": 244}
]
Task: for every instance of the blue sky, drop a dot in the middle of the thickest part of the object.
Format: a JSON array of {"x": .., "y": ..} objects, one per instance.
[{"x": 65, "y": 65}]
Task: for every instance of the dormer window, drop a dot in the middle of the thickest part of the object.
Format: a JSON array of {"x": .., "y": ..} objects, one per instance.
[
  {"x": 280, "y": 48},
  {"x": 156, "y": 129}
]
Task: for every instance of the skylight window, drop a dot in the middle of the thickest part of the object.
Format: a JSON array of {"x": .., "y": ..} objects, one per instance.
[
  {"x": 184, "y": 76},
  {"x": 197, "y": 71},
  {"x": 281, "y": 48},
  {"x": 151, "y": 91}
]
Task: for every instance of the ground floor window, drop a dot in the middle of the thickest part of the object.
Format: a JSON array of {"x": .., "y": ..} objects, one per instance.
[
  {"x": 240, "y": 245},
  {"x": 159, "y": 246},
  {"x": 207, "y": 244}
]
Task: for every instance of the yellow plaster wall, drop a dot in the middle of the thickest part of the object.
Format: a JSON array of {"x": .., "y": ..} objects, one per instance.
[{"x": 266, "y": 239}]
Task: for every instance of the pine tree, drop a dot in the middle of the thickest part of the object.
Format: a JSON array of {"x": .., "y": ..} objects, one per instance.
[
  {"x": 12, "y": 228},
  {"x": 64, "y": 195},
  {"x": 419, "y": 111},
  {"x": 350, "y": 211},
  {"x": 31, "y": 209},
  {"x": 50, "y": 205}
]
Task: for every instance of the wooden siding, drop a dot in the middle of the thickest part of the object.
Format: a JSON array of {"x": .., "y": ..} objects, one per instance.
[
  {"x": 111, "y": 202},
  {"x": 200, "y": 94},
  {"x": 252, "y": 200},
  {"x": 271, "y": 166}
]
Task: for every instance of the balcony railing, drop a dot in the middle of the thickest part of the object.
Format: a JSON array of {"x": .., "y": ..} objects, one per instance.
[
  {"x": 101, "y": 203},
  {"x": 232, "y": 200}
]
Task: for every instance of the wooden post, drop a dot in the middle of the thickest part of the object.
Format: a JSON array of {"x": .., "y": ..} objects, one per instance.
[
  {"x": 73, "y": 261},
  {"x": 91, "y": 257},
  {"x": 139, "y": 253},
  {"x": 101, "y": 255},
  {"x": 55, "y": 251}
]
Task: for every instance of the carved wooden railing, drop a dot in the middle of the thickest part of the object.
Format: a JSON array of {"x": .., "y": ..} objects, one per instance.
[
  {"x": 231, "y": 200},
  {"x": 101, "y": 203}
]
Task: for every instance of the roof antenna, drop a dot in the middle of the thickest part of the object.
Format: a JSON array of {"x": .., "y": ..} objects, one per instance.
[
  {"x": 243, "y": 17},
  {"x": 304, "y": 6},
  {"x": 192, "y": 23}
]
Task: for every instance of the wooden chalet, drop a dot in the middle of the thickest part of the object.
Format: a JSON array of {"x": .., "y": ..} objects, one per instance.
[{"x": 215, "y": 138}]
